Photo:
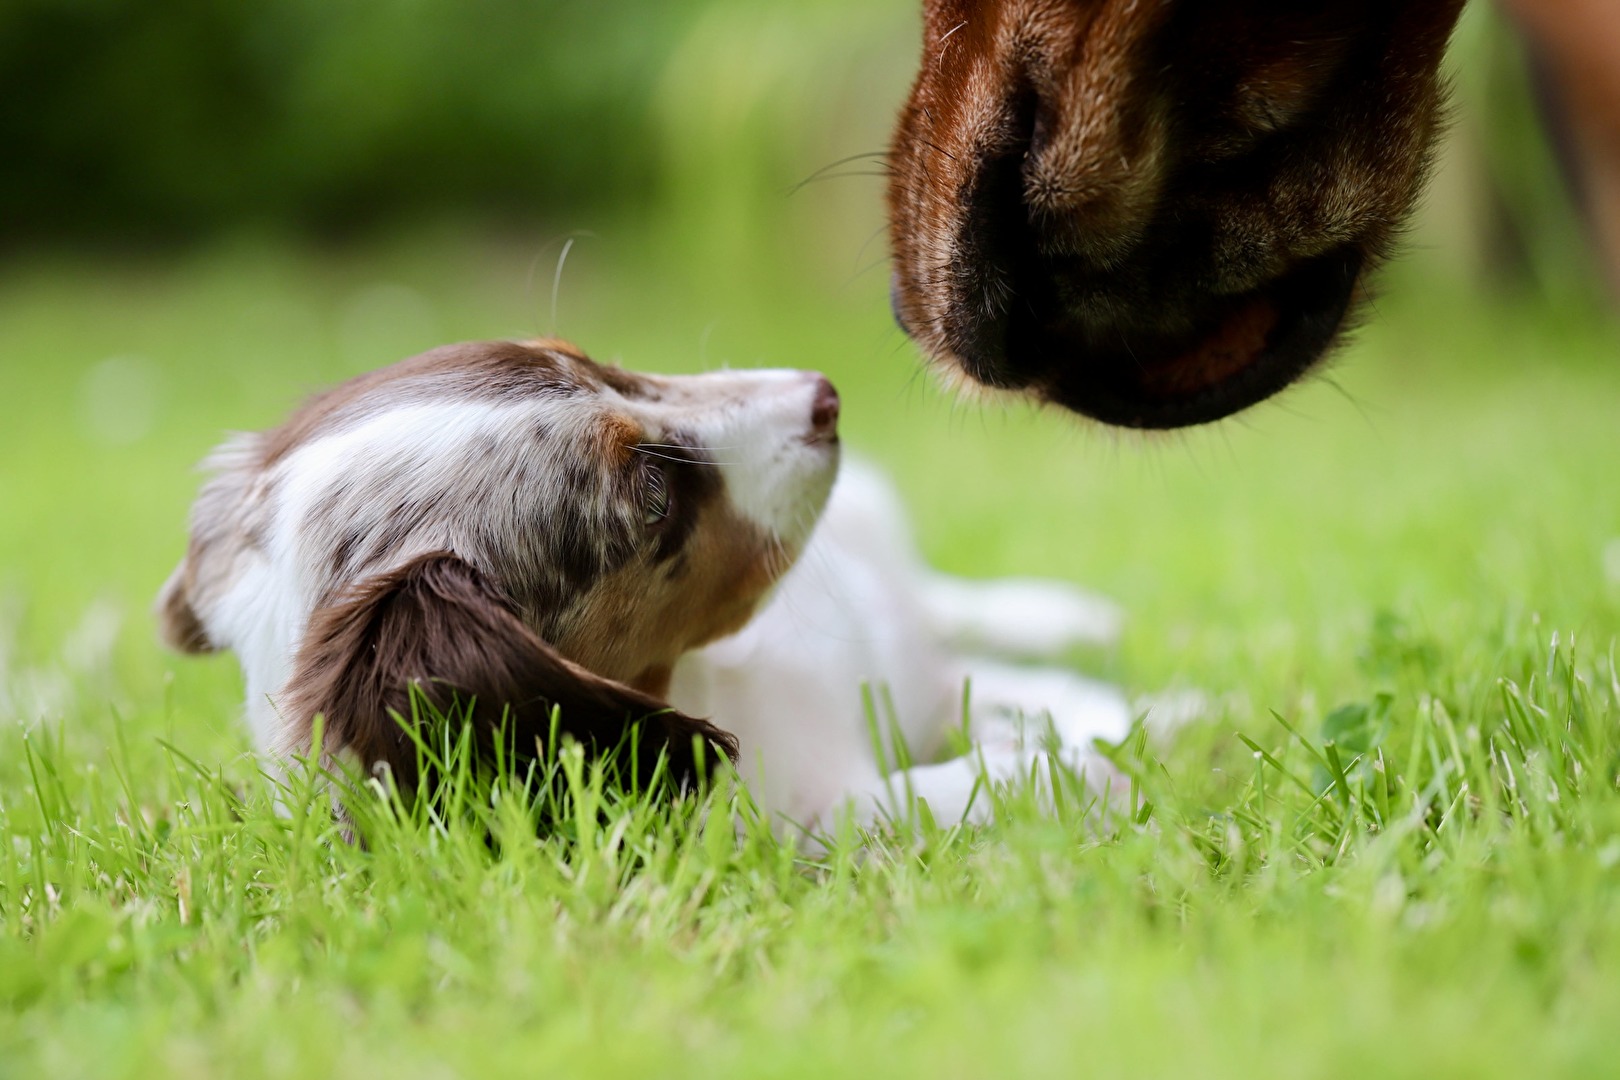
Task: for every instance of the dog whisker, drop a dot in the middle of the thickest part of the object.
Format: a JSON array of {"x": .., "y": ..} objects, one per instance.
[
  {"x": 681, "y": 446},
  {"x": 870, "y": 155},
  {"x": 556, "y": 280},
  {"x": 680, "y": 460}
]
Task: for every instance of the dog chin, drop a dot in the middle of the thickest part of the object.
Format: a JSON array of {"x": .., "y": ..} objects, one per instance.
[
  {"x": 779, "y": 473},
  {"x": 794, "y": 496}
]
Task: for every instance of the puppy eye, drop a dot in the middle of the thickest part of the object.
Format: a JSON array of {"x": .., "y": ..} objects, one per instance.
[{"x": 655, "y": 494}]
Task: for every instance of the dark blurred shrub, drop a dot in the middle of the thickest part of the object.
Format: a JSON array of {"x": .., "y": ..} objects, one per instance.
[{"x": 137, "y": 120}]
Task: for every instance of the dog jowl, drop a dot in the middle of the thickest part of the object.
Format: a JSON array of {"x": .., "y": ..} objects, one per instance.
[{"x": 1155, "y": 213}]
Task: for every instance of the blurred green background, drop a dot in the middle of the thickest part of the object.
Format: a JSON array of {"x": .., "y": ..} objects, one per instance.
[{"x": 211, "y": 208}]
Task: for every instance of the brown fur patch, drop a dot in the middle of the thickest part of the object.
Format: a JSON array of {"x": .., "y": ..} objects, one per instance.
[
  {"x": 1084, "y": 193},
  {"x": 178, "y": 624},
  {"x": 618, "y": 437},
  {"x": 629, "y": 384},
  {"x": 439, "y": 625},
  {"x": 632, "y": 623},
  {"x": 497, "y": 370}
]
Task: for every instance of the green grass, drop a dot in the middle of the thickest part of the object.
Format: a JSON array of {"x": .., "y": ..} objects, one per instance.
[{"x": 1392, "y": 849}]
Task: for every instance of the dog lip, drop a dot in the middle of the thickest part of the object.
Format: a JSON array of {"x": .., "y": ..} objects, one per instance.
[
  {"x": 1245, "y": 349},
  {"x": 1257, "y": 345}
]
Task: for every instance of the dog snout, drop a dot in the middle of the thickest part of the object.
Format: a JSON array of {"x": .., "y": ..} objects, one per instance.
[{"x": 823, "y": 411}]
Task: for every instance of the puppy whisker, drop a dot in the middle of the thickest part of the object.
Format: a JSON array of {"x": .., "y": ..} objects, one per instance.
[
  {"x": 683, "y": 446},
  {"x": 680, "y": 460}
]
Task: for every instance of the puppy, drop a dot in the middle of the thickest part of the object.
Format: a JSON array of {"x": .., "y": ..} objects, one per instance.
[
  {"x": 511, "y": 527},
  {"x": 506, "y": 528}
]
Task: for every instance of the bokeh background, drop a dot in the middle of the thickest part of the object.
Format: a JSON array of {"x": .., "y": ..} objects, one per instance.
[{"x": 208, "y": 209}]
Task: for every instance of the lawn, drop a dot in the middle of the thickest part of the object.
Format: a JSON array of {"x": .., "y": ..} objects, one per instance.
[{"x": 1391, "y": 848}]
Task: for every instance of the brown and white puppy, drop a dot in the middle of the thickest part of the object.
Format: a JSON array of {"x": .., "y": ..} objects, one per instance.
[{"x": 505, "y": 526}]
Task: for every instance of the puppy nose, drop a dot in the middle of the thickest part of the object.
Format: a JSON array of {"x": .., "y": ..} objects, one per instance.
[{"x": 824, "y": 411}]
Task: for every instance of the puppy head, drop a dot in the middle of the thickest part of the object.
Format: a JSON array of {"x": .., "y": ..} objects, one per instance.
[
  {"x": 1155, "y": 214},
  {"x": 510, "y": 522}
]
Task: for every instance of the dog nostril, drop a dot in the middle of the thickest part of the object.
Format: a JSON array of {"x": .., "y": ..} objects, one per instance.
[{"x": 824, "y": 410}]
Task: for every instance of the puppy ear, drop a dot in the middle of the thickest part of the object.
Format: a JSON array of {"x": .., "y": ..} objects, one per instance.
[
  {"x": 178, "y": 624},
  {"x": 439, "y": 625}
]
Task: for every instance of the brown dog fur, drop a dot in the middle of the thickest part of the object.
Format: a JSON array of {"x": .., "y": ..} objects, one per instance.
[
  {"x": 1155, "y": 213},
  {"x": 437, "y": 626}
]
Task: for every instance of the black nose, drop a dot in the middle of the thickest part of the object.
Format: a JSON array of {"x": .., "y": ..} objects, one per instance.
[{"x": 824, "y": 411}]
